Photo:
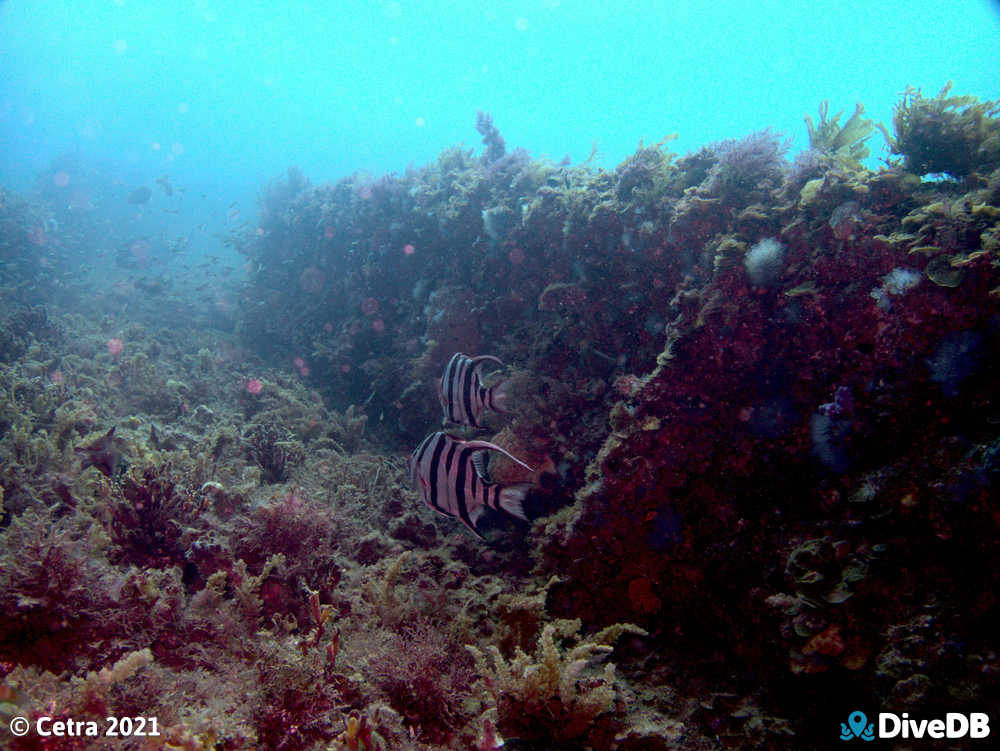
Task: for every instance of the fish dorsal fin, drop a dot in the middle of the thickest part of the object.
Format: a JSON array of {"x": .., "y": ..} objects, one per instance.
[
  {"x": 479, "y": 461},
  {"x": 477, "y": 363},
  {"x": 486, "y": 445}
]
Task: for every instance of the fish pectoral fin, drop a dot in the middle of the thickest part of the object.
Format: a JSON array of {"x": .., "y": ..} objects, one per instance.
[{"x": 479, "y": 462}]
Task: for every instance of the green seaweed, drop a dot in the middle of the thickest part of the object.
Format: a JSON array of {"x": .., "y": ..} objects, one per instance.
[
  {"x": 954, "y": 135},
  {"x": 846, "y": 142},
  {"x": 551, "y": 694}
]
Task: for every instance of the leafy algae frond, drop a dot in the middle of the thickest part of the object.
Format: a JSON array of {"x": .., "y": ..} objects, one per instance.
[
  {"x": 848, "y": 141},
  {"x": 956, "y": 135},
  {"x": 552, "y": 694}
]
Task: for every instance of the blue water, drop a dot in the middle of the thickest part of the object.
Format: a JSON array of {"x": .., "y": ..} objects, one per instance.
[{"x": 223, "y": 96}]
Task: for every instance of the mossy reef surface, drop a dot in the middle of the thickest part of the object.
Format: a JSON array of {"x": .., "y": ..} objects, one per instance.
[{"x": 760, "y": 395}]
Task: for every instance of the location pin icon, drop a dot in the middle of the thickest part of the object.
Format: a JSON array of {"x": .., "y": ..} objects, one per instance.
[{"x": 857, "y": 721}]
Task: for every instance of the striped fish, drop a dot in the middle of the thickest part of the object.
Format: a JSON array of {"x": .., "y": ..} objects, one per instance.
[
  {"x": 463, "y": 396},
  {"x": 450, "y": 475}
]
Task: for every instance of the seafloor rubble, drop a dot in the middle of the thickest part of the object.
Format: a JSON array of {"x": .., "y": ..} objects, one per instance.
[{"x": 759, "y": 395}]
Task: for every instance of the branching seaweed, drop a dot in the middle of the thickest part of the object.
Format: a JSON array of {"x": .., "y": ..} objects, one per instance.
[
  {"x": 848, "y": 141},
  {"x": 554, "y": 694},
  {"x": 148, "y": 510},
  {"x": 383, "y": 597},
  {"x": 957, "y": 135},
  {"x": 271, "y": 448}
]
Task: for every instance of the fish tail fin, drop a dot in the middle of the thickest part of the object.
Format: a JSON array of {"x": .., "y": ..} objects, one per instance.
[
  {"x": 498, "y": 396},
  {"x": 512, "y": 498}
]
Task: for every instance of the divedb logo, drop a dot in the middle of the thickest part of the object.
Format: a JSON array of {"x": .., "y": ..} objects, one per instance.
[
  {"x": 974, "y": 725},
  {"x": 857, "y": 726}
]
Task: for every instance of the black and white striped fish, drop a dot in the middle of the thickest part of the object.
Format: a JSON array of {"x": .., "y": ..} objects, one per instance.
[
  {"x": 450, "y": 475},
  {"x": 463, "y": 396}
]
